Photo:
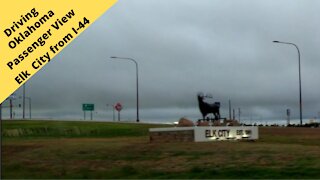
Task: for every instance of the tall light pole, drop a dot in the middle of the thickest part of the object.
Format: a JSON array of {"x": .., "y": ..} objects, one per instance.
[
  {"x": 300, "y": 93},
  {"x": 137, "y": 80}
]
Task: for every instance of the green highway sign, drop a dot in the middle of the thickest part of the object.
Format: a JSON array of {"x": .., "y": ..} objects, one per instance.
[{"x": 88, "y": 107}]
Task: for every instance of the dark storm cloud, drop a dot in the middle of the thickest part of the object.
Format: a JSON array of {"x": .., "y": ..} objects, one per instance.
[{"x": 220, "y": 47}]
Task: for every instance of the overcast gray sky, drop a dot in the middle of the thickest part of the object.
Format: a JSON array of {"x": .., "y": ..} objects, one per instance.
[{"x": 221, "y": 47}]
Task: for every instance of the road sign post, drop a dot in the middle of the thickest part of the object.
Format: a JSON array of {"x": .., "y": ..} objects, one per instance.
[
  {"x": 87, "y": 107},
  {"x": 118, "y": 107}
]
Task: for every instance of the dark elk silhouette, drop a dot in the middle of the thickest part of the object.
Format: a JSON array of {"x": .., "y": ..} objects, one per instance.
[{"x": 206, "y": 108}]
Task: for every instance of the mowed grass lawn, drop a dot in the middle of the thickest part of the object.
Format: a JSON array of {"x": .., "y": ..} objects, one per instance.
[{"x": 52, "y": 149}]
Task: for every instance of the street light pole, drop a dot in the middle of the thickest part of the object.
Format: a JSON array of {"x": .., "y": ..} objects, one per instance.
[
  {"x": 137, "y": 80},
  {"x": 300, "y": 93}
]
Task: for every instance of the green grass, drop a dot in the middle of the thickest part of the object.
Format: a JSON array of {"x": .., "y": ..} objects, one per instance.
[
  {"x": 54, "y": 129},
  {"x": 119, "y": 150}
]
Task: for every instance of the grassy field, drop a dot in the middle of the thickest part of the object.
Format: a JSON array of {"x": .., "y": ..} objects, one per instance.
[{"x": 51, "y": 149}]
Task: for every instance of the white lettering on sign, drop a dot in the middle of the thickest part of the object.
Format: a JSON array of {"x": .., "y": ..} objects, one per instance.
[
  {"x": 225, "y": 133},
  {"x": 216, "y": 133}
]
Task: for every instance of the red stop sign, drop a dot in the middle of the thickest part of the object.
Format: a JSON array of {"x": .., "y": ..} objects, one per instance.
[{"x": 118, "y": 107}]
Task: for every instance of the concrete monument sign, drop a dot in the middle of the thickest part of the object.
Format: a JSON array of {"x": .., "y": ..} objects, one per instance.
[{"x": 204, "y": 133}]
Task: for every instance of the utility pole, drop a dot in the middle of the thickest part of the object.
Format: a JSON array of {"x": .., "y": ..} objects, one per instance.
[
  {"x": 229, "y": 109},
  {"x": 239, "y": 112},
  {"x": 234, "y": 114}
]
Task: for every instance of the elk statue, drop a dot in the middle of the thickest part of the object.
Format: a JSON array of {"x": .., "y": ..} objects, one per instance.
[{"x": 207, "y": 108}]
